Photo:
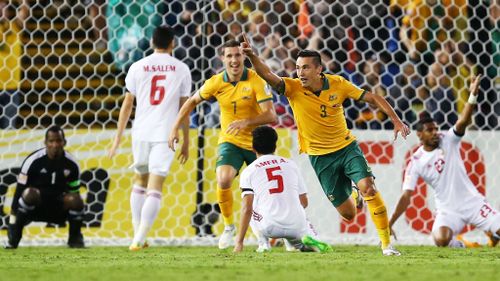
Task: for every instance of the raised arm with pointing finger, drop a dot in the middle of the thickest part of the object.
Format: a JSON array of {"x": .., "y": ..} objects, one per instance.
[{"x": 316, "y": 99}]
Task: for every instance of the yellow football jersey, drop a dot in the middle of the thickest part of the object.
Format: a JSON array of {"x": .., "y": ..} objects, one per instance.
[
  {"x": 10, "y": 56},
  {"x": 237, "y": 100},
  {"x": 320, "y": 116}
]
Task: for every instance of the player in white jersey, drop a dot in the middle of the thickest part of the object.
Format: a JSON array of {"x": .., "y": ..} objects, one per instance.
[
  {"x": 160, "y": 84},
  {"x": 439, "y": 163},
  {"x": 274, "y": 197}
]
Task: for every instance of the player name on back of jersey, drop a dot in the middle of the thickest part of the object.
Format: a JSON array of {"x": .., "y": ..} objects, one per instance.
[
  {"x": 270, "y": 162},
  {"x": 159, "y": 68}
]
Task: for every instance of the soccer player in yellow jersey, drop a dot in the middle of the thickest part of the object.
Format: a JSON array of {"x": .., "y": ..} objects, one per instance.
[
  {"x": 245, "y": 103},
  {"x": 316, "y": 100}
]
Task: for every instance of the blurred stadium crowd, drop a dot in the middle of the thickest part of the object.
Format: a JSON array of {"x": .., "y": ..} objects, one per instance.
[{"x": 64, "y": 61}]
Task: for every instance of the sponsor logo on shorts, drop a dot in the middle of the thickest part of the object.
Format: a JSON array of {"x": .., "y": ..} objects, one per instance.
[
  {"x": 331, "y": 197},
  {"x": 256, "y": 216}
]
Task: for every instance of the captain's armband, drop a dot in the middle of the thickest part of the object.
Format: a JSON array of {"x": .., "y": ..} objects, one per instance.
[{"x": 280, "y": 89}]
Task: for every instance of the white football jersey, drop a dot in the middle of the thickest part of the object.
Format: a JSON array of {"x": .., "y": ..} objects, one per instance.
[
  {"x": 276, "y": 184},
  {"x": 157, "y": 81},
  {"x": 444, "y": 170}
]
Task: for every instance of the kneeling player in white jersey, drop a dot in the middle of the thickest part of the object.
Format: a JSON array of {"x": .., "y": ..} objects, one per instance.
[
  {"x": 274, "y": 198},
  {"x": 161, "y": 84},
  {"x": 439, "y": 163}
]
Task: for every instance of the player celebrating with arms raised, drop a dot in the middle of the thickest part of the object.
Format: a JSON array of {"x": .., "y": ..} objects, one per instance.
[
  {"x": 316, "y": 100},
  {"x": 245, "y": 103}
]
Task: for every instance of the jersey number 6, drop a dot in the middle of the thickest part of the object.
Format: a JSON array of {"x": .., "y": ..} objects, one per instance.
[
  {"x": 277, "y": 178},
  {"x": 155, "y": 98}
]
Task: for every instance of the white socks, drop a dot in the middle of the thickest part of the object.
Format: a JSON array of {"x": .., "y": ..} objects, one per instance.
[
  {"x": 137, "y": 198},
  {"x": 148, "y": 215}
]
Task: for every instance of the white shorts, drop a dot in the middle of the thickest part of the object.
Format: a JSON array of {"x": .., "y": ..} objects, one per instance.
[
  {"x": 483, "y": 216},
  {"x": 152, "y": 157},
  {"x": 272, "y": 230}
]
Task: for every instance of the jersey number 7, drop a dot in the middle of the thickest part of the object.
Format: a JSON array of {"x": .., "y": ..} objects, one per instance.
[
  {"x": 277, "y": 178},
  {"x": 155, "y": 98}
]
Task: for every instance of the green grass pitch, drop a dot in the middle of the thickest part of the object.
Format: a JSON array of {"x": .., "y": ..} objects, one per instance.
[{"x": 208, "y": 263}]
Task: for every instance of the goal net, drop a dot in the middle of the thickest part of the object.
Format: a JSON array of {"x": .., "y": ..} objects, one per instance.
[{"x": 64, "y": 62}]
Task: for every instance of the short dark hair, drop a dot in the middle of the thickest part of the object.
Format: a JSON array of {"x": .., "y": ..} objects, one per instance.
[
  {"x": 54, "y": 129},
  {"x": 229, "y": 44},
  {"x": 264, "y": 140},
  {"x": 423, "y": 119},
  {"x": 163, "y": 36},
  {"x": 310, "y": 54}
]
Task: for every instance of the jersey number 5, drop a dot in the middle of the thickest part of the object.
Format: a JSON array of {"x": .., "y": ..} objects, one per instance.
[
  {"x": 157, "y": 92},
  {"x": 277, "y": 178}
]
